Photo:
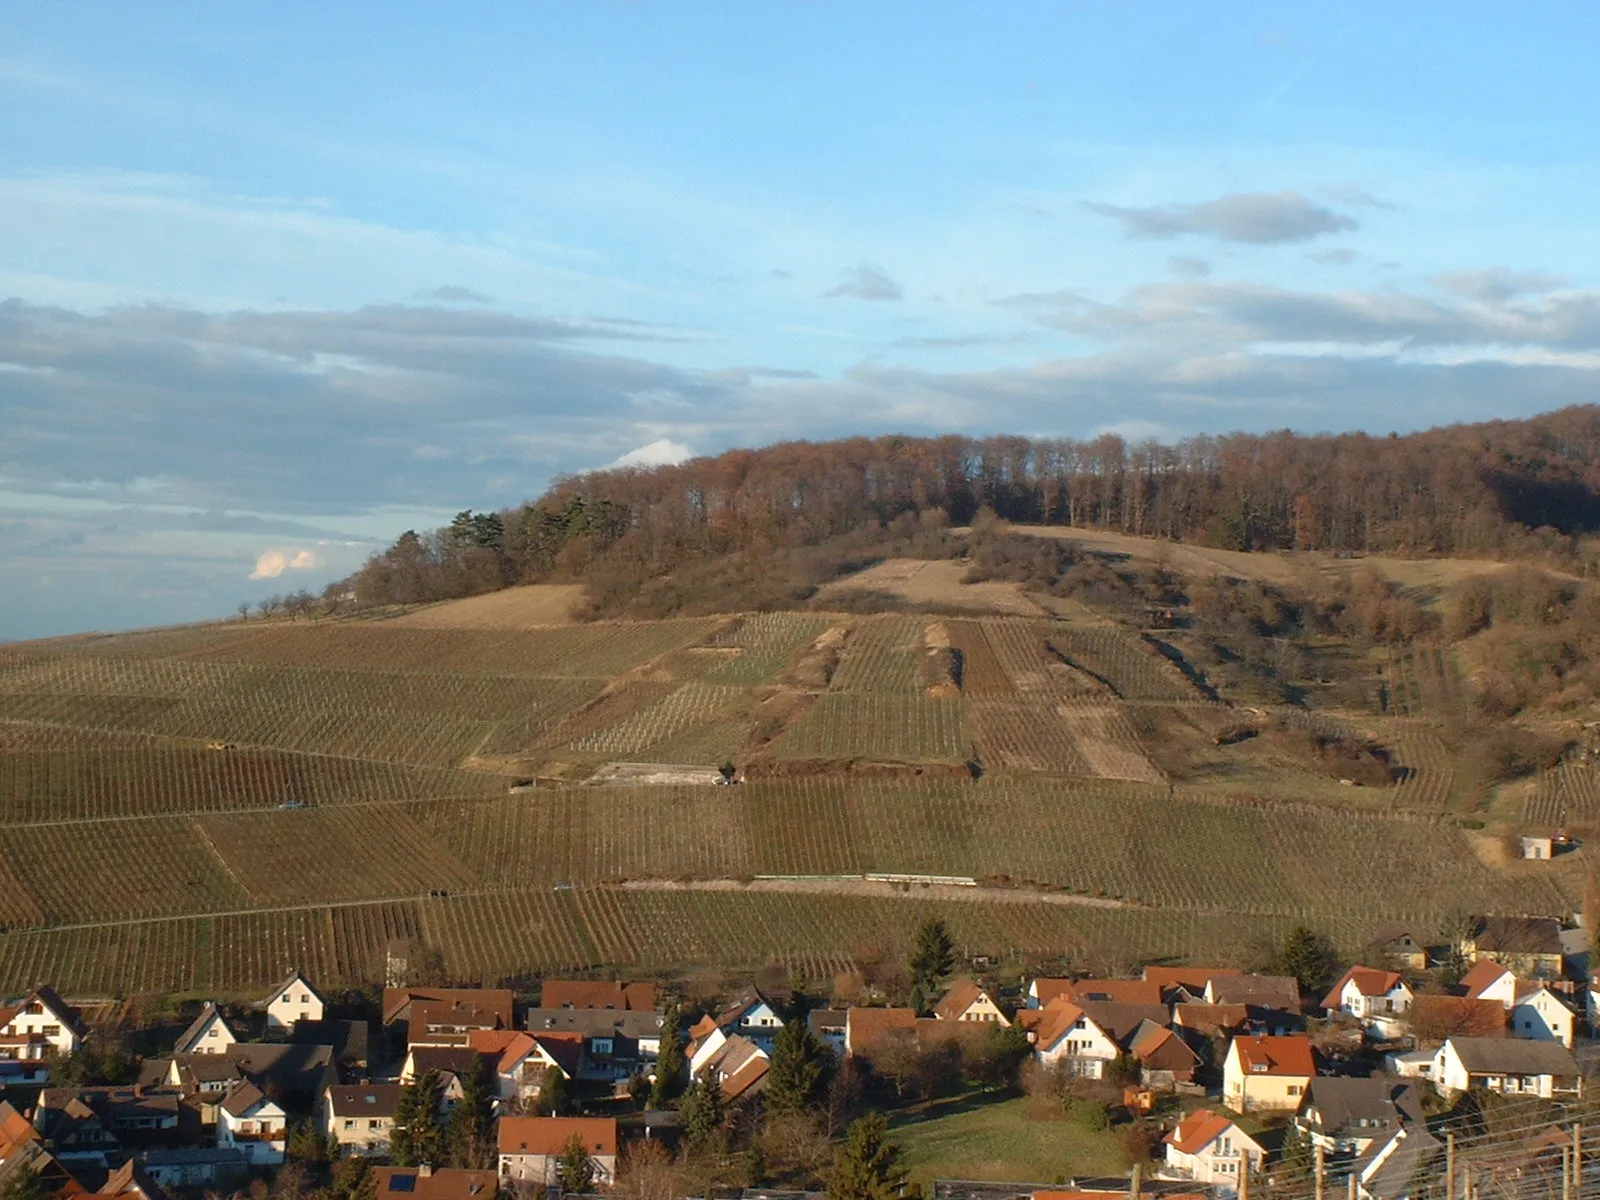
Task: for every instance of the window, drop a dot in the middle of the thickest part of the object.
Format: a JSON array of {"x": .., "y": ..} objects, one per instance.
[
  {"x": 304, "y": 999},
  {"x": 1294, "y": 1089},
  {"x": 350, "y": 1123},
  {"x": 1258, "y": 1068},
  {"x": 374, "y": 1123},
  {"x": 51, "y": 1030}
]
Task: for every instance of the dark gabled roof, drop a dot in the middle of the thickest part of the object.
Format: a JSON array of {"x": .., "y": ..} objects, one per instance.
[
  {"x": 446, "y": 1060},
  {"x": 1381, "y": 1100},
  {"x": 826, "y": 1020},
  {"x": 242, "y": 1099},
  {"x": 1266, "y": 991},
  {"x": 364, "y": 1099},
  {"x": 747, "y": 999},
  {"x": 190, "y": 1037},
  {"x": 289, "y": 1065},
  {"x": 131, "y": 1178},
  {"x": 349, "y": 1040},
  {"x": 1398, "y": 1174},
  {"x": 1517, "y": 935},
  {"x": 593, "y": 1022},
  {"x": 295, "y": 976},
  {"x": 1121, "y": 1020},
  {"x": 1513, "y": 1056}
]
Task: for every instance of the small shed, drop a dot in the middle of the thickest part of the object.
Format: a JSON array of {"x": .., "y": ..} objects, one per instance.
[{"x": 1538, "y": 847}]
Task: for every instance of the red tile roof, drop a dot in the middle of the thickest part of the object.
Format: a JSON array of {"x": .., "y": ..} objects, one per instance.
[
  {"x": 1198, "y": 1130},
  {"x": 1483, "y": 975},
  {"x": 550, "y": 1135},
  {"x": 583, "y": 993},
  {"x": 1369, "y": 981},
  {"x": 1289, "y": 1055}
]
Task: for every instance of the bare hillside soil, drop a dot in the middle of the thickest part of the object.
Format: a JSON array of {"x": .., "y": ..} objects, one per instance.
[
  {"x": 530, "y": 607},
  {"x": 1420, "y": 574},
  {"x": 936, "y": 583}
]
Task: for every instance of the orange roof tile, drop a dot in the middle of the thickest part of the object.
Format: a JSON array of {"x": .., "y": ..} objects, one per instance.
[
  {"x": 1198, "y": 1130},
  {"x": 550, "y": 1135},
  {"x": 1289, "y": 1055},
  {"x": 1369, "y": 981}
]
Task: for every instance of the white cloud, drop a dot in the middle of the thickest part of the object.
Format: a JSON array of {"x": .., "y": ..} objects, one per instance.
[
  {"x": 663, "y": 452},
  {"x": 273, "y": 563}
]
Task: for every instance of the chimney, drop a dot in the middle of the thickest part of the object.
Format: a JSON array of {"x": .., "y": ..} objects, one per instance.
[{"x": 425, "y": 1171}]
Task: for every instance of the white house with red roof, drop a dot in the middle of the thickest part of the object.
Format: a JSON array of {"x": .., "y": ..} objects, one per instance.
[
  {"x": 1209, "y": 1148},
  {"x": 1064, "y": 1036},
  {"x": 1533, "y": 1010},
  {"x": 1267, "y": 1074},
  {"x": 43, "y": 1025},
  {"x": 1378, "y": 999}
]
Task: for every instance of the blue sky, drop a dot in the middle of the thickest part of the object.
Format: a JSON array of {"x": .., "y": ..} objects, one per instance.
[{"x": 278, "y": 282}]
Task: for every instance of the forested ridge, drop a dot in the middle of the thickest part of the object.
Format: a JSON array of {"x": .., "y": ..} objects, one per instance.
[{"x": 782, "y": 519}]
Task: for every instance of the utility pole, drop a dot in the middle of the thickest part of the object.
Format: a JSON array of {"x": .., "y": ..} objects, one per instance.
[
  {"x": 1450, "y": 1166},
  {"x": 1244, "y": 1175},
  {"x": 1320, "y": 1181}
]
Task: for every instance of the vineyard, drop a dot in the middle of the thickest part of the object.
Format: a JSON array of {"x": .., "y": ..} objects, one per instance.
[{"x": 198, "y": 809}]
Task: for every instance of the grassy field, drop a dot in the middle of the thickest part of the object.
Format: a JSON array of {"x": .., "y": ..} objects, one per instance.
[
  {"x": 202, "y": 808},
  {"x": 1001, "y": 1138}
]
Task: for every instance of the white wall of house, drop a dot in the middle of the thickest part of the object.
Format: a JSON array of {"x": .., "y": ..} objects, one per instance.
[
  {"x": 544, "y": 1169},
  {"x": 1085, "y": 1049},
  {"x": 1452, "y": 1076},
  {"x": 50, "y": 1028},
  {"x": 1541, "y": 1017},
  {"x": 262, "y": 1133},
  {"x": 984, "y": 1010},
  {"x": 297, "y": 1002},
  {"x": 215, "y": 1038},
  {"x": 1216, "y": 1163}
]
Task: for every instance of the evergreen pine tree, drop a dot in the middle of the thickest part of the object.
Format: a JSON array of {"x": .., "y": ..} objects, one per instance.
[
  {"x": 669, "y": 1061},
  {"x": 1311, "y": 959},
  {"x": 469, "y": 1132},
  {"x": 417, "y": 1139},
  {"x": 575, "y": 1167},
  {"x": 794, "y": 1077},
  {"x": 702, "y": 1113},
  {"x": 868, "y": 1164},
  {"x": 24, "y": 1184},
  {"x": 934, "y": 957}
]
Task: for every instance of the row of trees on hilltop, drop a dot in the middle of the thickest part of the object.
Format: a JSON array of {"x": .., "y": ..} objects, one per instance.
[{"x": 1500, "y": 489}]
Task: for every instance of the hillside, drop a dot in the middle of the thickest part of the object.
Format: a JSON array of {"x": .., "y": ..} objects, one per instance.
[{"x": 198, "y": 809}]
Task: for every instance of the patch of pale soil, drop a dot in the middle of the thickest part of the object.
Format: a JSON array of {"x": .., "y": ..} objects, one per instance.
[
  {"x": 1490, "y": 849},
  {"x": 870, "y": 887},
  {"x": 1108, "y": 742},
  {"x": 527, "y": 607},
  {"x": 937, "y": 582},
  {"x": 657, "y": 774},
  {"x": 1270, "y": 566}
]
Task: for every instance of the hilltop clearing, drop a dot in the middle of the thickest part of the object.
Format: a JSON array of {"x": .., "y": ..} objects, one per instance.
[{"x": 528, "y": 607}]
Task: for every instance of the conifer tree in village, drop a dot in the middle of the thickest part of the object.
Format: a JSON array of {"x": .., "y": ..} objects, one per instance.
[
  {"x": 418, "y": 1139},
  {"x": 868, "y": 1164},
  {"x": 795, "y": 1075},
  {"x": 576, "y": 1168},
  {"x": 931, "y": 962},
  {"x": 669, "y": 1060},
  {"x": 701, "y": 1113},
  {"x": 469, "y": 1130}
]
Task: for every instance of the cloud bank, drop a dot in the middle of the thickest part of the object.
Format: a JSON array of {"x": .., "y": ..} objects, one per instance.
[{"x": 1252, "y": 218}]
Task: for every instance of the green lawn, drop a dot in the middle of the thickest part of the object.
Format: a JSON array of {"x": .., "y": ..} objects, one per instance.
[{"x": 989, "y": 1137}]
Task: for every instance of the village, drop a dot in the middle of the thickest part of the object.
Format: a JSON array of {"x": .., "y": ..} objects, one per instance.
[{"x": 1214, "y": 1080}]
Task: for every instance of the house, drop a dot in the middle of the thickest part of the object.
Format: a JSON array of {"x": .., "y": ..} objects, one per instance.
[
  {"x": 1209, "y": 1020},
  {"x": 131, "y": 1181},
  {"x": 1437, "y": 1018},
  {"x": 448, "y": 1022},
  {"x": 1529, "y": 946},
  {"x": 1209, "y": 1148},
  {"x": 1538, "y": 847},
  {"x": 1511, "y": 1066},
  {"x": 966, "y": 1001},
  {"x": 751, "y": 1015},
  {"x": 1254, "y": 991},
  {"x": 295, "y": 1074},
  {"x": 1396, "y": 1166},
  {"x": 867, "y": 1029},
  {"x": 1066, "y": 1038},
  {"x": 1345, "y": 1115},
  {"x": 452, "y": 1065},
  {"x": 93, "y": 1125},
  {"x": 1180, "y": 985},
  {"x": 424, "y": 1183},
  {"x": 359, "y": 1118},
  {"x": 738, "y": 1067},
  {"x": 43, "y": 1025},
  {"x": 1267, "y": 1074},
  {"x": 1488, "y": 980},
  {"x": 194, "y": 1167},
  {"x": 350, "y": 1041},
  {"x": 248, "y": 1121},
  {"x": 1398, "y": 947},
  {"x": 398, "y": 1003},
  {"x": 617, "y": 1044},
  {"x": 1120, "y": 991},
  {"x": 575, "y": 993},
  {"x": 208, "y": 1034},
  {"x": 1165, "y": 1059},
  {"x": 1376, "y": 998},
  {"x": 531, "y": 1148},
  {"x": 522, "y": 1061},
  {"x": 828, "y": 1027},
  {"x": 294, "y": 1000}
]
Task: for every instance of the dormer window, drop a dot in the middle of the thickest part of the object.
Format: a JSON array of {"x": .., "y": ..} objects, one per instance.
[{"x": 1258, "y": 1068}]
